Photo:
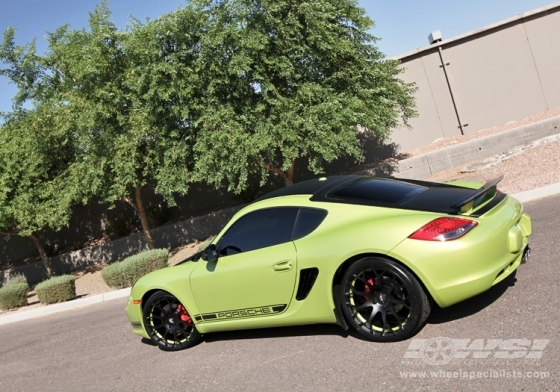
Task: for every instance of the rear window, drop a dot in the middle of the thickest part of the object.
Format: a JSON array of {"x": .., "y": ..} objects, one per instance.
[{"x": 377, "y": 190}]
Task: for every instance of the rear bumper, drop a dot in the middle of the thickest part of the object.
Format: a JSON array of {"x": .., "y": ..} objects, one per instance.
[{"x": 457, "y": 270}]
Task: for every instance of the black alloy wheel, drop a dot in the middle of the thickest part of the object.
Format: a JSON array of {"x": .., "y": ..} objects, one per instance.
[
  {"x": 383, "y": 300},
  {"x": 168, "y": 323}
]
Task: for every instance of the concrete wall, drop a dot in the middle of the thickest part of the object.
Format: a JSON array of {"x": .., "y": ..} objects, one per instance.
[
  {"x": 503, "y": 72},
  {"x": 170, "y": 236}
]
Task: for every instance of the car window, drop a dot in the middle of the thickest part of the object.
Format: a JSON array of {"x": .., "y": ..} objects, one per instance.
[
  {"x": 308, "y": 220},
  {"x": 378, "y": 190},
  {"x": 259, "y": 229}
]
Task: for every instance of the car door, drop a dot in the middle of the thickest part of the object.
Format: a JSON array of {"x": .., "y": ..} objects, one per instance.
[{"x": 255, "y": 273}]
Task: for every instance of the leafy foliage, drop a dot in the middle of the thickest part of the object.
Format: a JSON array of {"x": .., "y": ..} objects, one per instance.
[
  {"x": 288, "y": 80},
  {"x": 217, "y": 91},
  {"x": 119, "y": 102},
  {"x": 57, "y": 289},
  {"x": 34, "y": 193}
]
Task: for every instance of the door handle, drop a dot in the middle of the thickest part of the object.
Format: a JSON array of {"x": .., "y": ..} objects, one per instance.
[{"x": 285, "y": 265}]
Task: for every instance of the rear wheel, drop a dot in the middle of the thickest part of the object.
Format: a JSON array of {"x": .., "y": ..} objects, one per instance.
[
  {"x": 168, "y": 323},
  {"x": 383, "y": 300}
]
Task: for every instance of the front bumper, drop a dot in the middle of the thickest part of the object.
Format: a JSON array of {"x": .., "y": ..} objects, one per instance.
[{"x": 134, "y": 314}]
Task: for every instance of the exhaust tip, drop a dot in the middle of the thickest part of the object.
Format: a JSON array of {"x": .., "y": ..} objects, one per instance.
[{"x": 526, "y": 255}]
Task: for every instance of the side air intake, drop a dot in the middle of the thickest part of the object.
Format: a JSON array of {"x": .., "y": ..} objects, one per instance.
[{"x": 307, "y": 278}]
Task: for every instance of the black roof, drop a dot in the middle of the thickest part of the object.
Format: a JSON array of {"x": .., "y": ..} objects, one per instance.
[
  {"x": 309, "y": 187},
  {"x": 385, "y": 192}
]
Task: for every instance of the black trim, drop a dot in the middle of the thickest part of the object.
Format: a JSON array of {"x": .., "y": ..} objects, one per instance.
[
  {"x": 259, "y": 311},
  {"x": 309, "y": 187},
  {"x": 307, "y": 279},
  {"x": 437, "y": 197},
  {"x": 495, "y": 201},
  {"x": 489, "y": 184},
  {"x": 279, "y": 308}
]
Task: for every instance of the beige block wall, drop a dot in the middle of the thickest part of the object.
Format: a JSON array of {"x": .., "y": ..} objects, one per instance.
[
  {"x": 543, "y": 35},
  {"x": 501, "y": 73}
]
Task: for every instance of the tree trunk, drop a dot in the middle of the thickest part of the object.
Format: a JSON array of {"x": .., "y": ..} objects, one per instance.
[
  {"x": 43, "y": 254},
  {"x": 144, "y": 219},
  {"x": 289, "y": 178}
]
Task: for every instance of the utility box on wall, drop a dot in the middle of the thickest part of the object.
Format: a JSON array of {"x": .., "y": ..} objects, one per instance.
[{"x": 435, "y": 36}]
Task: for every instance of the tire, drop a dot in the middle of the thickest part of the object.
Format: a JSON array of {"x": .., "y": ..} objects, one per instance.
[
  {"x": 168, "y": 324},
  {"x": 382, "y": 300}
]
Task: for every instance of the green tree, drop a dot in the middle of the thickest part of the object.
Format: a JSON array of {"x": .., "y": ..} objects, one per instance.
[
  {"x": 287, "y": 80},
  {"x": 126, "y": 100},
  {"x": 33, "y": 194}
]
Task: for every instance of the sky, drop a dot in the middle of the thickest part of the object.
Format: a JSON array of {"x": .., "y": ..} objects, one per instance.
[{"x": 402, "y": 25}]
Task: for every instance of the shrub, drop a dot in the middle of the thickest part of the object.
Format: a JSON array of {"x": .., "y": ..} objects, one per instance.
[
  {"x": 127, "y": 272},
  {"x": 18, "y": 277},
  {"x": 13, "y": 295},
  {"x": 112, "y": 276},
  {"x": 57, "y": 289}
]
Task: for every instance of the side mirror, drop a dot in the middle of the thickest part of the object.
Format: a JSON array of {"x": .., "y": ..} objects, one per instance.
[{"x": 210, "y": 253}]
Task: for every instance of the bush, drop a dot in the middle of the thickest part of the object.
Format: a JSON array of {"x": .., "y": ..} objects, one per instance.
[
  {"x": 127, "y": 272},
  {"x": 13, "y": 296},
  {"x": 18, "y": 277},
  {"x": 112, "y": 275},
  {"x": 57, "y": 289}
]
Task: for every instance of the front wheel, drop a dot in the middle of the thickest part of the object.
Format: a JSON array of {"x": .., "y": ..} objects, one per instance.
[
  {"x": 383, "y": 300},
  {"x": 168, "y": 323}
]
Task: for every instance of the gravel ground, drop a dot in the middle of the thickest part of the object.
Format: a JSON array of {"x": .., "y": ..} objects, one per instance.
[
  {"x": 529, "y": 167},
  {"x": 532, "y": 168}
]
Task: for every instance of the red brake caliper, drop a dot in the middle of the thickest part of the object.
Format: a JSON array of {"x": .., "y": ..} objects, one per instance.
[
  {"x": 183, "y": 315},
  {"x": 367, "y": 289}
]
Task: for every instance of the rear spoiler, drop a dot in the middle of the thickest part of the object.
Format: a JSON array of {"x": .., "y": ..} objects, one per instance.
[{"x": 468, "y": 202}]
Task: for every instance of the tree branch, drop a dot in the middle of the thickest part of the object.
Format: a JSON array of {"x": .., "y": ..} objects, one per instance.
[
  {"x": 9, "y": 233},
  {"x": 275, "y": 170},
  {"x": 131, "y": 202}
]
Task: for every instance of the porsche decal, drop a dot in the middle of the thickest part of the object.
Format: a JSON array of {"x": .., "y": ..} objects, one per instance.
[{"x": 267, "y": 310}]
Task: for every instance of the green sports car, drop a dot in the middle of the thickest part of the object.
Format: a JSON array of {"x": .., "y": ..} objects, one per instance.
[{"x": 374, "y": 253}]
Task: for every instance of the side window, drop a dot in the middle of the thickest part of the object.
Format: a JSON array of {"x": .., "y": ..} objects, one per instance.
[
  {"x": 259, "y": 229},
  {"x": 308, "y": 220}
]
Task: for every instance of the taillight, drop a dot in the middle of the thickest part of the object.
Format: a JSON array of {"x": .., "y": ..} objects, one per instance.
[{"x": 444, "y": 229}]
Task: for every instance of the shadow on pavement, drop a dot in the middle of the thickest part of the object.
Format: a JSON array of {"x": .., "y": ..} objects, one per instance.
[
  {"x": 267, "y": 333},
  {"x": 471, "y": 306}
]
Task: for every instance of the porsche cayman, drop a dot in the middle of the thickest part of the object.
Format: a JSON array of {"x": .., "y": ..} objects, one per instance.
[{"x": 375, "y": 254}]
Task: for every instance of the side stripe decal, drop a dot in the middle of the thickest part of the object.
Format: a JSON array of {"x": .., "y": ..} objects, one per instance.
[{"x": 267, "y": 310}]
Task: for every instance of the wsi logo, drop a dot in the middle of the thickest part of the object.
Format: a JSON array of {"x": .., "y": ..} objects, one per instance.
[{"x": 439, "y": 351}]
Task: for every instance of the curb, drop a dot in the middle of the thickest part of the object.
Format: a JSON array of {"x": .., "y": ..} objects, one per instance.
[
  {"x": 62, "y": 307},
  {"x": 524, "y": 197},
  {"x": 538, "y": 193}
]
